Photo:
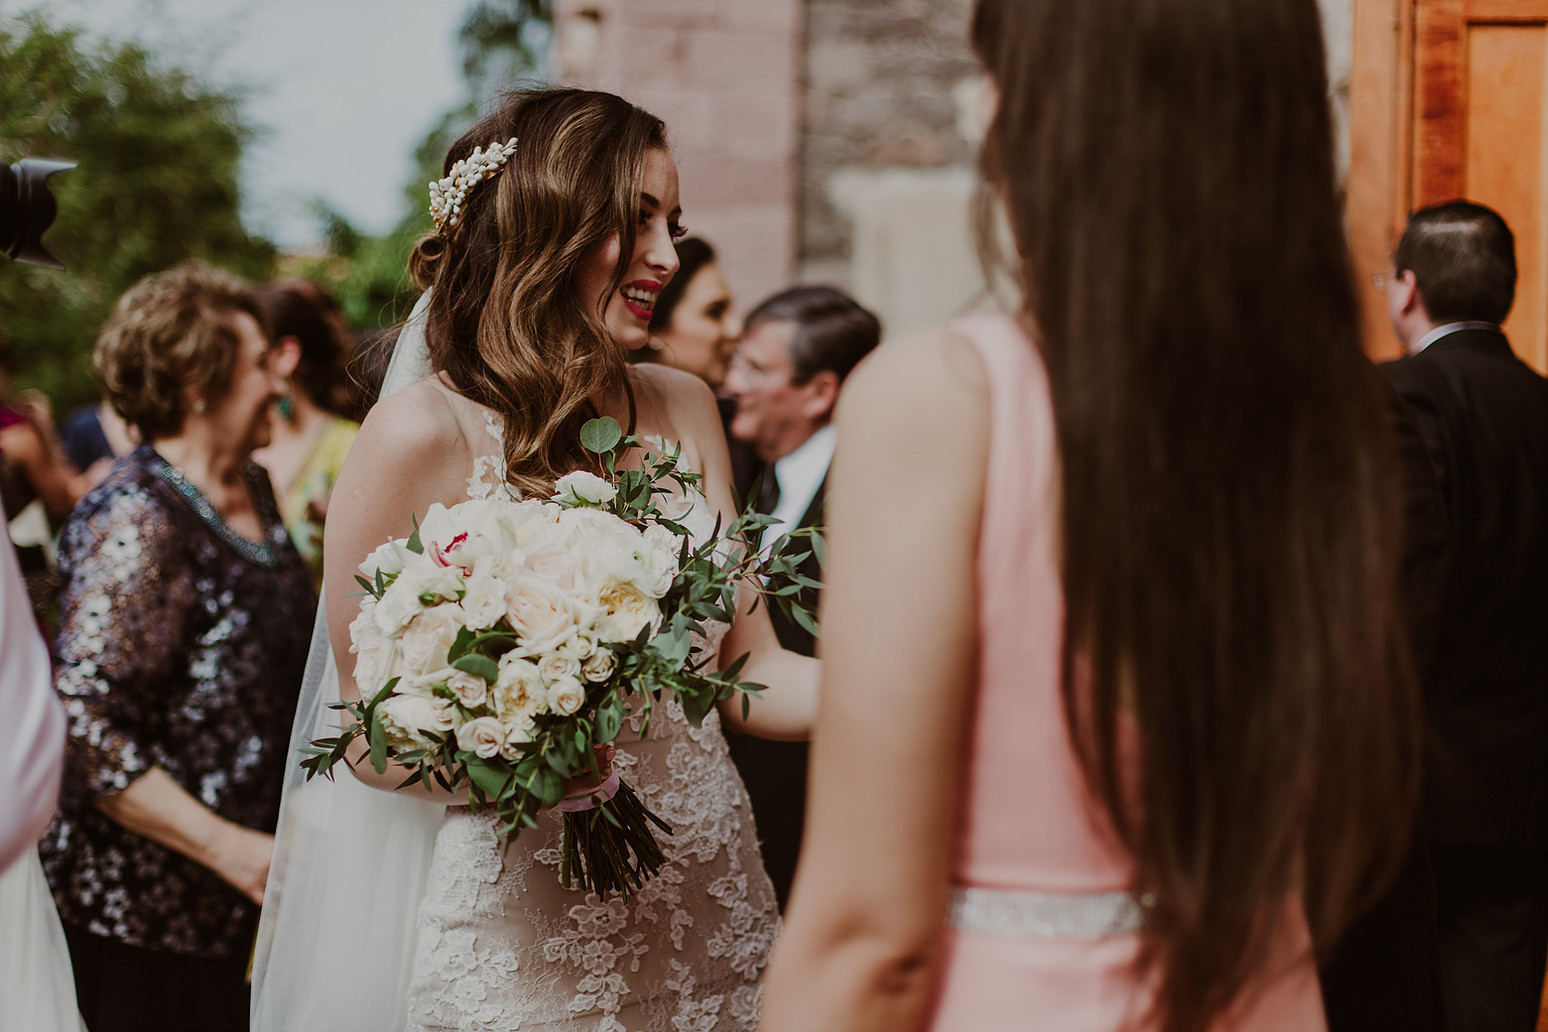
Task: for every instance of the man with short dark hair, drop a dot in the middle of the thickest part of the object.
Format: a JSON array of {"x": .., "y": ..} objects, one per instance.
[
  {"x": 796, "y": 350},
  {"x": 1483, "y": 415}
]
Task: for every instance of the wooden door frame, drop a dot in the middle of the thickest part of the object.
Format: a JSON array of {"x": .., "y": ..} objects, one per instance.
[{"x": 1379, "y": 192}]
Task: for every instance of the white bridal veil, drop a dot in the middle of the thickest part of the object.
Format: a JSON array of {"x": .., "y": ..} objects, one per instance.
[{"x": 336, "y": 939}]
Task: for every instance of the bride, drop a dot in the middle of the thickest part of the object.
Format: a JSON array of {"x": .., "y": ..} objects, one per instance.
[{"x": 404, "y": 909}]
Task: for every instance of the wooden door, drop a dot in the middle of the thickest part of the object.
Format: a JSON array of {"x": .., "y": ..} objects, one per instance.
[{"x": 1447, "y": 101}]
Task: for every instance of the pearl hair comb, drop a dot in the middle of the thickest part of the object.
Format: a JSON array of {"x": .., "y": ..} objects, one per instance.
[{"x": 448, "y": 195}]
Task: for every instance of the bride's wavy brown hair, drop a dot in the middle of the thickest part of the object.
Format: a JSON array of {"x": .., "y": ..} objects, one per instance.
[
  {"x": 505, "y": 323},
  {"x": 1229, "y": 509}
]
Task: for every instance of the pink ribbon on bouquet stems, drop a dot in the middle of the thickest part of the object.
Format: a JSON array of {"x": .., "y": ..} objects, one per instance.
[{"x": 588, "y": 800}]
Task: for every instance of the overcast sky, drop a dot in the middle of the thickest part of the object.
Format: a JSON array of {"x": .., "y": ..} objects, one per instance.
[{"x": 341, "y": 91}]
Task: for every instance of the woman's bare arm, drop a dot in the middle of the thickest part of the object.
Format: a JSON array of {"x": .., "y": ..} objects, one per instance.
[
  {"x": 860, "y": 948},
  {"x": 163, "y": 811},
  {"x": 54, "y": 479},
  {"x": 409, "y": 454},
  {"x": 787, "y": 710}
]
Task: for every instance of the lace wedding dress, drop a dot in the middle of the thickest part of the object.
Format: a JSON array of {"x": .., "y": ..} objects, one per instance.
[{"x": 501, "y": 945}]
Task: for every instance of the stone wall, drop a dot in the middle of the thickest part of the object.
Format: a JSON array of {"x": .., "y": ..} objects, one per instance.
[{"x": 823, "y": 140}]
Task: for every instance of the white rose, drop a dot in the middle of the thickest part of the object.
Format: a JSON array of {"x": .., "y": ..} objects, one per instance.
[
  {"x": 516, "y": 735},
  {"x": 565, "y": 696},
  {"x": 530, "y": 521},
  {"x": 426, "y": 579},
  {"x": 484, "y": 602},
  {"x": 388, "y": 559},
  {"x": 559, "y": 665},
  {"x": 400, "y": 604},
  {"x": 470, "y": 689},
  {"x": 543, "y": 617},
  {"x": 375, "y": 667},
  {"x": 599, "y": 666},
  {"x": 587, "y": 530},
  {"x": 429, "y": 636},
  {"x": 658, "y": 560},
  {"x": 436, "y": 527},
  {"x": 626, "y": 610},
  {"x": 518, "y": 692},
  {"x": 622, "y": 553},
  {"x": 554, "y": 563},
  {"x": 408, "y": 720},
  {"x": 582, "y": 488},
  {"x": 482, "y": 736}
]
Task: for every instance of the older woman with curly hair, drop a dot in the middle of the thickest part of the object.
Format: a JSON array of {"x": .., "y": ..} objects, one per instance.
[{"x": 182, "y": 642}]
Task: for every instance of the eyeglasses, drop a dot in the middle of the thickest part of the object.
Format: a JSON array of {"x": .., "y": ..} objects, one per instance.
[{"x": 1379, "y": 280}]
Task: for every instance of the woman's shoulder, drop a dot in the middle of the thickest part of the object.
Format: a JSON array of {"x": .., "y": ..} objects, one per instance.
[
  {"x": 936, "y": 376},
  {"x": 133, "y": 492},
  {"x": 418, "y": 423}
]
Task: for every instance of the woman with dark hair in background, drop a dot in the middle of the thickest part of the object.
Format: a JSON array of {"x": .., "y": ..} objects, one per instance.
[
  {"x": 1130, "y": 724},
  {"x": 310, "y": 438},
  {"x": 180, "y": 649},
  {"x": 693, "y": 326}
]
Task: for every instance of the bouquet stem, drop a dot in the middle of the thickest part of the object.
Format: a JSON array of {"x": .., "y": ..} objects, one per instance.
[{"x": 611, "y": 847}]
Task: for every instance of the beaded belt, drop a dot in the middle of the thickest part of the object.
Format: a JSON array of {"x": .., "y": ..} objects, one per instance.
[{"x": 1019, "y": 914}]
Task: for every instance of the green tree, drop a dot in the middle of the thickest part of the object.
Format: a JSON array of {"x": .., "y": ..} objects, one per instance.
[
  {"x": 158, "y": 152},
  {"x": 502, "y": 41}
]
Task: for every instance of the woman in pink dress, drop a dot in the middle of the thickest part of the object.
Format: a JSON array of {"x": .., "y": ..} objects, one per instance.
[{"x": 1114, "y": 726}]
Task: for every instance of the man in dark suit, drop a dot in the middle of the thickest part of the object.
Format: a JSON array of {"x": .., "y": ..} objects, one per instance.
[
  {"x": 1483, "y": 415},
  {"x": 796, "y": 349}
]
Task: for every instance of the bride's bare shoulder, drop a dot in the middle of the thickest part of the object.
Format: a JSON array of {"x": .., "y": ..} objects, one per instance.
[{"x": 417, "y": 423}]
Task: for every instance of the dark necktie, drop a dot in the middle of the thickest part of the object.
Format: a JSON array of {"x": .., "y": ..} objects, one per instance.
[
  {"x": 768, "y": 492},
  {"x": 768, "y": 497}
]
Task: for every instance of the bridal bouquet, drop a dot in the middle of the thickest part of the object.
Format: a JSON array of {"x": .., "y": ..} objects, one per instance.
[{"x": 498, "y": 646}]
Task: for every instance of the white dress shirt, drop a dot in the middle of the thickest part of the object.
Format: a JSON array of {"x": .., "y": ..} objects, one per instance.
[
  {"x": 1446, "y": 330},
  {"x": 799, "y": 475}
]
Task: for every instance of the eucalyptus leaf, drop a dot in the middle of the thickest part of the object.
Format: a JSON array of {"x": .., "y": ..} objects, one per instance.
[
  {"x": 479, "y": 666},
  {"x": 601, "y": 435}
]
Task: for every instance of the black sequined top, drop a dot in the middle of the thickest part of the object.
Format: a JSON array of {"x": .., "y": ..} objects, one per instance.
[{"x": 181, "y": 646}]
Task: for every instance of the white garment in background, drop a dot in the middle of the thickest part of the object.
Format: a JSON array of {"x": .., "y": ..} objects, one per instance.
[
  {"x": 799, "y": 475},
  {"x": 33, "y": 730},
  {"x": 37, "y": 986}
]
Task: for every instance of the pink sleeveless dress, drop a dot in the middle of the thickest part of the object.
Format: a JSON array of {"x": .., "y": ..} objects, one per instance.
[{"x": 1029, "y": 828}]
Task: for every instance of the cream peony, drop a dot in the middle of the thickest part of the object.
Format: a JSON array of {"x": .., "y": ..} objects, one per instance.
[
  {"x": 582, "y": 488},
  {"x": 429, "y": 636},
  {"x": 518, "y": 691},
  {"x": 626, "y": 610},
  {"x": 482, "y": 736}
]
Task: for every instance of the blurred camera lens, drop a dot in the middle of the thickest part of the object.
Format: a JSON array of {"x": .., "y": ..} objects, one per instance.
[{"x": 27, "y": 209}]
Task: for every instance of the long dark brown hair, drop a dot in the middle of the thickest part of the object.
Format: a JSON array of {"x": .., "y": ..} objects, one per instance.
[
  {"x": 1229, "y": 518},
  {"x": 505, "y": 322}
]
